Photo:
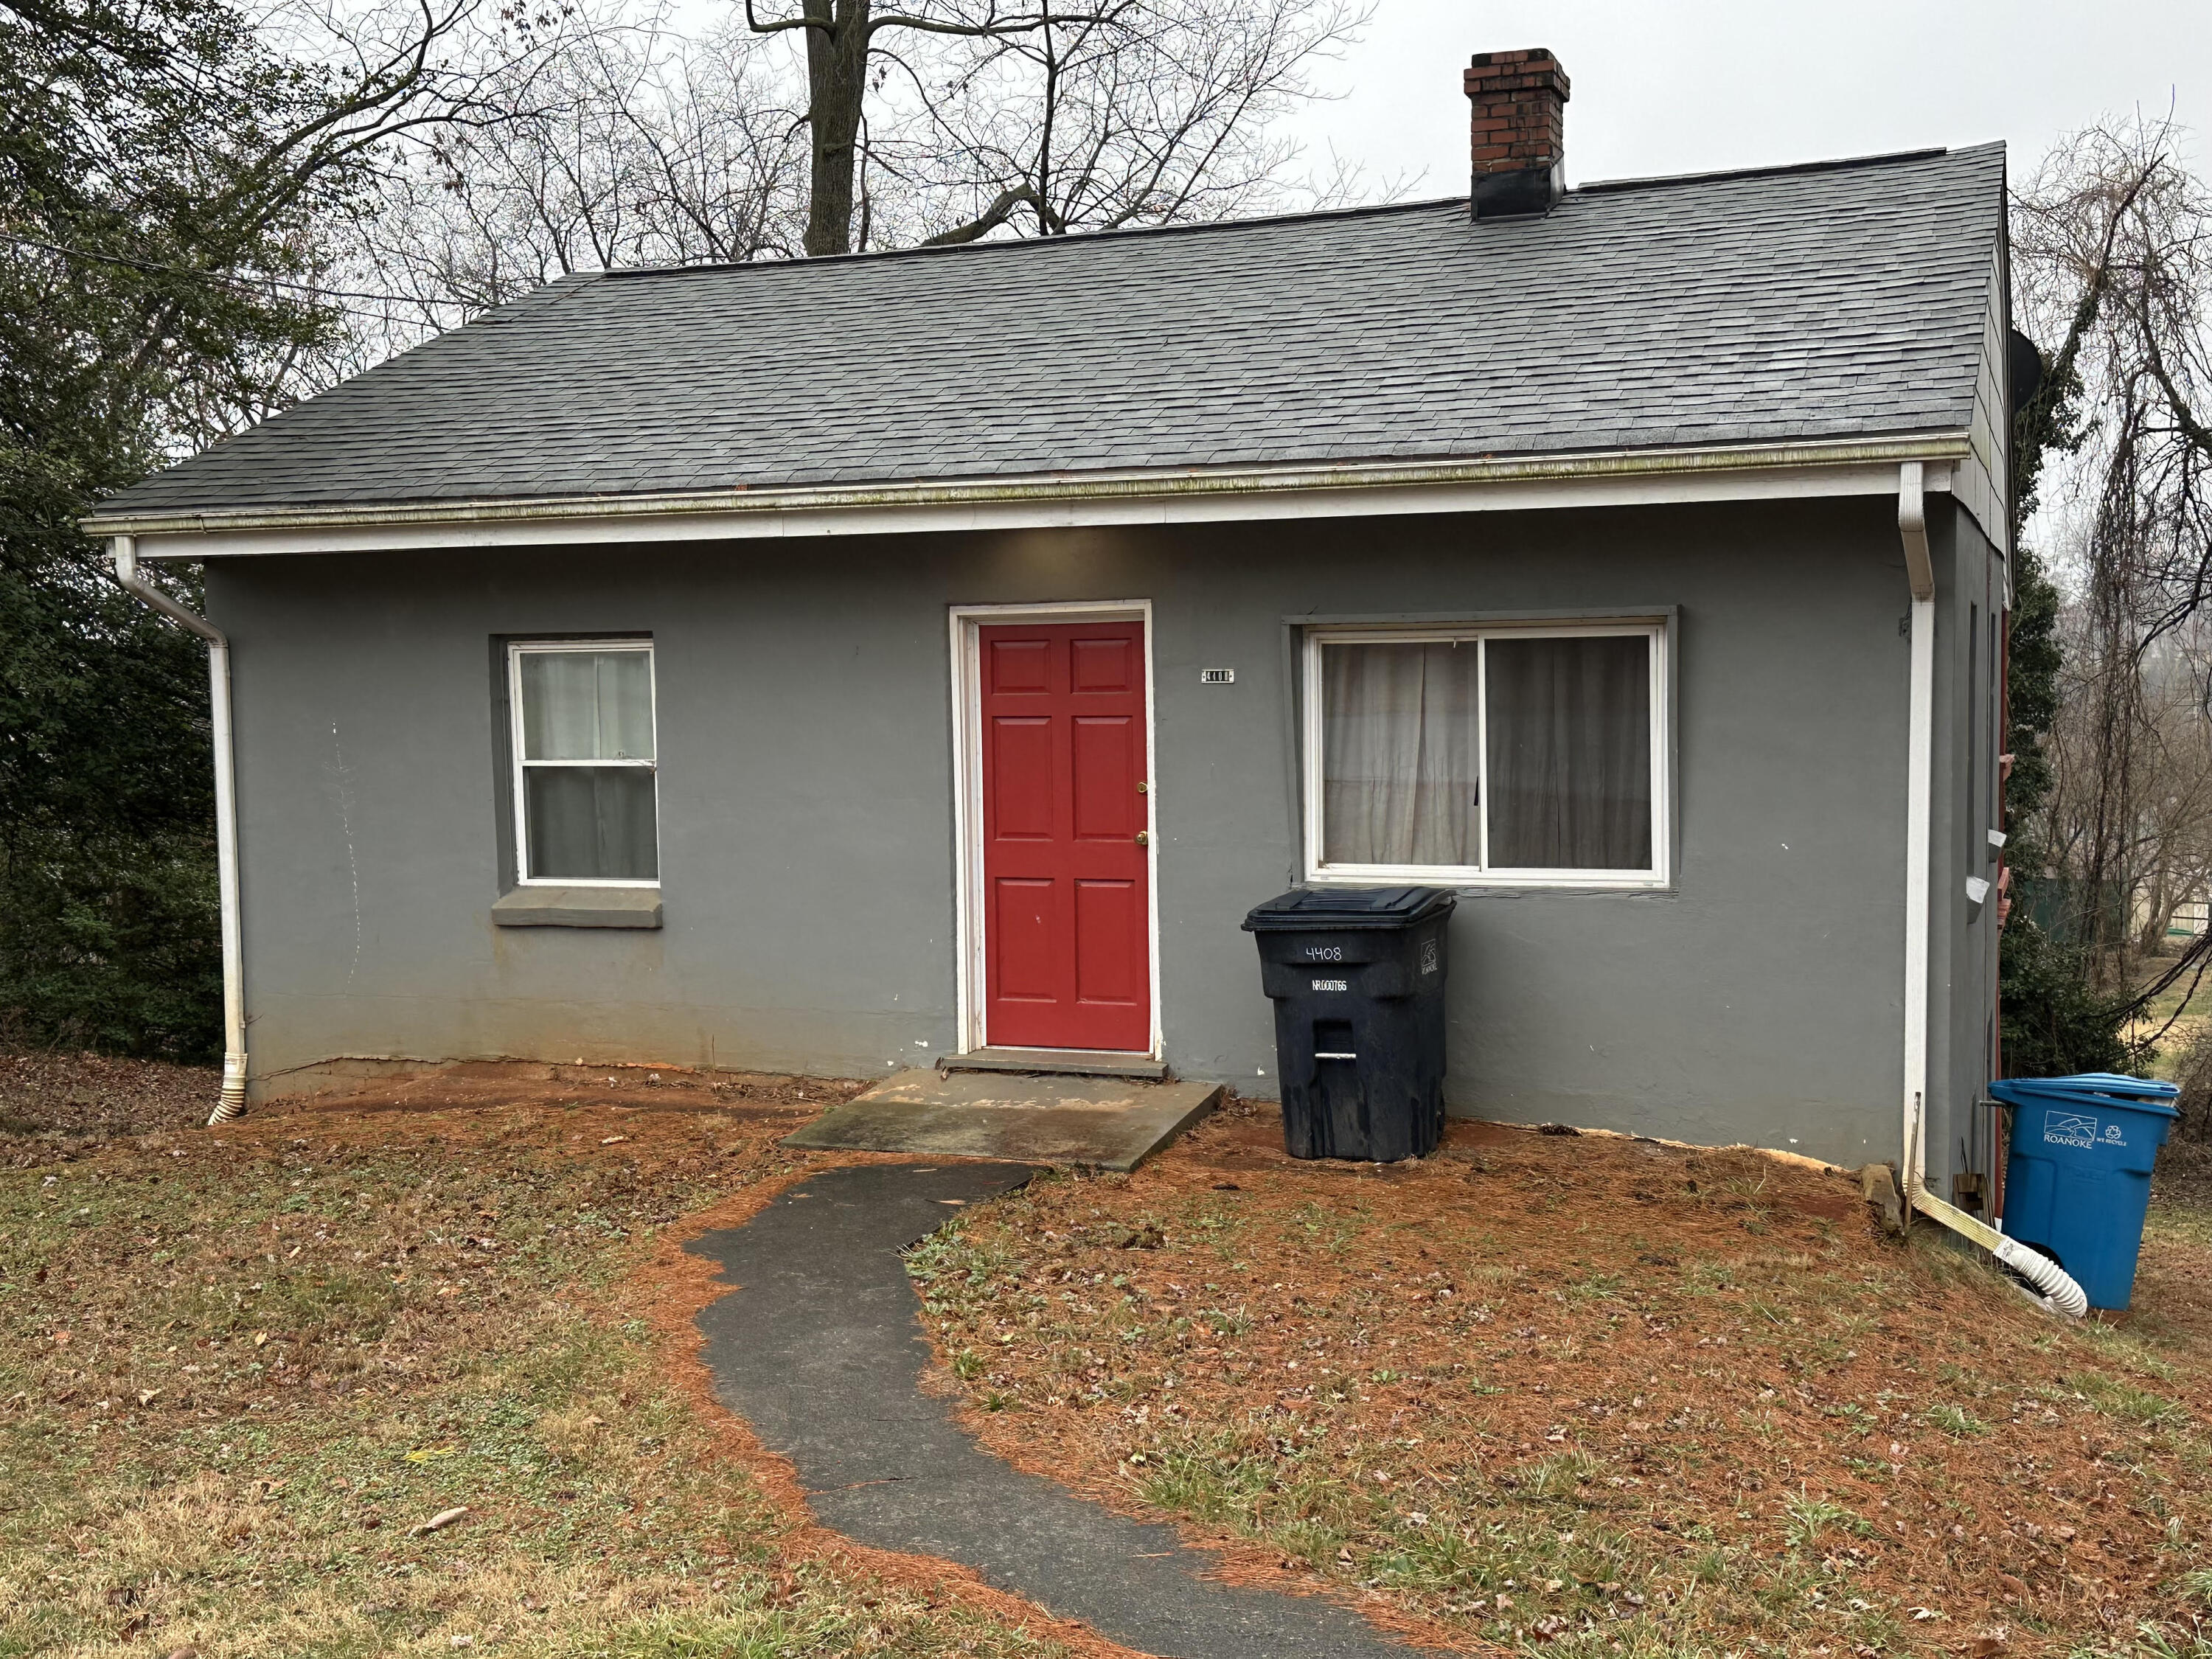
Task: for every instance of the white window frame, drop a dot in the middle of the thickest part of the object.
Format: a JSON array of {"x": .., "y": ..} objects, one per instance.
[
  {"x": 516, "y": 651},
  {"x": 1482, "y": 875}
]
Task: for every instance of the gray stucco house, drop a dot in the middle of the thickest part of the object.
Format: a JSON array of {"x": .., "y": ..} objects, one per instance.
[{"x": 829, "y": 666}]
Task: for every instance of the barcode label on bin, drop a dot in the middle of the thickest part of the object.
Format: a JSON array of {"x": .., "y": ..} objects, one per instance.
[{"x": 1329, "y": 985}]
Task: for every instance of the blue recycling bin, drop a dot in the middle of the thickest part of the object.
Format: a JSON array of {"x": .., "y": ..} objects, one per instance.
[{"x": 2077, "y": 1183}]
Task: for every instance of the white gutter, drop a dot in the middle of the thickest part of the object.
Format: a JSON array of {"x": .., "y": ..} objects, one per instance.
[
  {"x": 1919, "y": 758},
  {"x": 1154, "y": 495},
  {"x": 232, "y": 1099}
]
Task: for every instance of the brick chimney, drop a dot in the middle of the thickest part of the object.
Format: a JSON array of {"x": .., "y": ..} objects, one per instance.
[{"x": 1519, "y": 101}]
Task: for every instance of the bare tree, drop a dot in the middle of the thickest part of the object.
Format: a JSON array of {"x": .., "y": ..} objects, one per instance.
[
  {"x": 843, "y": 39},
  {"x": 2113, "y": 247},
  {"x": 976, "y": 117},
  {"x": 1161, "y": 113},
  {"x": 633, "y": 146},
  {"x": 2158, "y": 757}
]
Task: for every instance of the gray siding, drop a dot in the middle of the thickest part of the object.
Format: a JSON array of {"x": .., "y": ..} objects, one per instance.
[{"x": 807, "y": 824}]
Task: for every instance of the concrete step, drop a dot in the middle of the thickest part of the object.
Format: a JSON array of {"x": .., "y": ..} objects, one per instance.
[{"x": 1065, "y": 1062}]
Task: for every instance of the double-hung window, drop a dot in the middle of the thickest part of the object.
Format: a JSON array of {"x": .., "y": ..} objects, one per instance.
[
  {"x": 1510, "y": 755},
  {"x": 585, "y": 810}
]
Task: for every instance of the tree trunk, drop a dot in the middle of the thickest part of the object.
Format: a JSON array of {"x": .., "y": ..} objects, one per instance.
[
  {"x": 2158, "y": 915},
  {"x": 836, "y": 80}
]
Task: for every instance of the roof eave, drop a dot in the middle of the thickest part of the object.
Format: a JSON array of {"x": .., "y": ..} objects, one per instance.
[{"x": 1721, "y": 472}]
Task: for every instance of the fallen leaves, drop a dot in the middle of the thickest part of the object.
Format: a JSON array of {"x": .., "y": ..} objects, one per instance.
[
  {"x": 1716, "y": 1344},
  {"x": 438, "y": 1521}
]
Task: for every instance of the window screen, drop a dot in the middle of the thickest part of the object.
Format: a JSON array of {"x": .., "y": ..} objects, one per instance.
[
  {"x": 585, "y": 763},
  {"x": 1488, "y": 752}
]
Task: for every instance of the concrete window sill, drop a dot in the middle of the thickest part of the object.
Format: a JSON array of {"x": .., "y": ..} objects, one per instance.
[{"x": 579, "y": 907}]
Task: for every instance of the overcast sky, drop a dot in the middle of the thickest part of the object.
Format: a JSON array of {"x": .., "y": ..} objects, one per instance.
[{"x": 1682, "y": 86}]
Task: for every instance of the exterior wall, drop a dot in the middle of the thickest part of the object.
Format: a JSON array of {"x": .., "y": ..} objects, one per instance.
[
  {"x": 1963, "y": 962},
  {"x": 806, "y": 820}
]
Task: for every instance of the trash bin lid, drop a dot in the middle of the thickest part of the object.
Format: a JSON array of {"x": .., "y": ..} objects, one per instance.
[
  {"x": 2141, "y": 1093},
  {"x": 1304, "y": 908}
]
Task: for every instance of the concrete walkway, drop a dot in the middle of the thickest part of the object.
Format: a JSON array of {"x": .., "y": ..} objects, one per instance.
[{"x": 821, "y": 1350}]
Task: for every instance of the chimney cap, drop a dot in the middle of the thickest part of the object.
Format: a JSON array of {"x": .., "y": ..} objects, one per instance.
[{"x": 1503, "y": 70}]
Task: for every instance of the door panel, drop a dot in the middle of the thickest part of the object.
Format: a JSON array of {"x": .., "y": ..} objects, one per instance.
[
  {"x": 1105, "y": 807},
  {"x": 1021, "y": 782},
  {"x": 1023, "y": 913},
  {"x": 1108, "y": 970},
  {"x": 1066, "y": 944},
  {"x": 1095, "y": 665},
  {"x": 1016, "y": 666}
]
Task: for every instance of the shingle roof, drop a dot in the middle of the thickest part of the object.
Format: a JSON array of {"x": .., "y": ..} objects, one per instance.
[{"x": 1837, "y": 302}]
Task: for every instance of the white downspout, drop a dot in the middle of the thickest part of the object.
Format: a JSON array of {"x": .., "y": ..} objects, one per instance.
[
  {"x": 2053, "y": 1289},
  {"x": 232, "y": 1099},
  {"x": 1920, "y": 742}
]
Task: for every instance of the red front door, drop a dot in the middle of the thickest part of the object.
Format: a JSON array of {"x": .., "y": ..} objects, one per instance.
[{"x": 1067, "y": 895}]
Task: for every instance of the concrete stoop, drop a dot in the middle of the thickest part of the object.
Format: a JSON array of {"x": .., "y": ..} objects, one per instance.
[{"x": 1094, "y": 1123}]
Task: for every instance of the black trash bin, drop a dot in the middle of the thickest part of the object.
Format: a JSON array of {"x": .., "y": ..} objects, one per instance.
[{"x": 1357, "y": 976}]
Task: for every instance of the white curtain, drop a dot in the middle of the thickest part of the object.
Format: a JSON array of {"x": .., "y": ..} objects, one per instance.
[
  {"x": 587, "y": 705},
  {"x": 589, "y": 822},
  {"x": 1570, "y": 753},
  {"x": 592, "y": 823},
  {"x": 1569, "y": 779},
  {"x": 1399, "y": 754}
]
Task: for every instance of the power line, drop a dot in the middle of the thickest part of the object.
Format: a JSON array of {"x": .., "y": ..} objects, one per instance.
[{"x": 216, "y": 277}]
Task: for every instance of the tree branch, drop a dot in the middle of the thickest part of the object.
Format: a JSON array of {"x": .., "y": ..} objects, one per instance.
[
  {"x": 778, "y": 26},
  {"x": 1001, "y": 211}
]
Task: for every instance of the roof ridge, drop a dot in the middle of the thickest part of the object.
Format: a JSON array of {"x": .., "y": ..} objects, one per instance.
[
  {"x": 1839, "y": 164},
  {"x": 1368, "y": 209}
]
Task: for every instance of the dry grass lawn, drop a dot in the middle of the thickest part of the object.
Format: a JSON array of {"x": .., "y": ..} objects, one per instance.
[
  {"x": 1568, "y": 1395},
  {"x": 1591, "y": 1395},
  {"x": 240, "y": 1369}
]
